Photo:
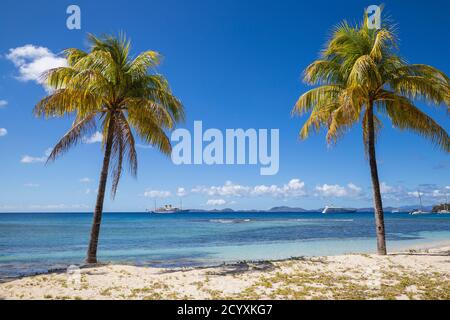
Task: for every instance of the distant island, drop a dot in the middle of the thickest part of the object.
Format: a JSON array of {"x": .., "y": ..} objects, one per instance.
[{"x": 284, "y": 209}]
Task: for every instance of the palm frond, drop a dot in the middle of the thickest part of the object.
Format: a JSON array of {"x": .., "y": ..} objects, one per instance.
[
  {"x": 405, "y": 115},
  {"x": 125, "y": 94},
  {"x": 318, "y": 96},
  {"x": 80, "y": 128}
]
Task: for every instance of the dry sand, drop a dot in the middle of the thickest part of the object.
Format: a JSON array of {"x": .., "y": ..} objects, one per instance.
[{"x": 414, "y": 274}]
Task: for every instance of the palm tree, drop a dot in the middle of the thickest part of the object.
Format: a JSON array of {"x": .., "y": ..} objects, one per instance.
[
  {"x": 124, "y": 95},
  {"x": 359, "y": 76}
]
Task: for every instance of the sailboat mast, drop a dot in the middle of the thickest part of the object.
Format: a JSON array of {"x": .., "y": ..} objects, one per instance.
[{"x": 420, "y": 199}]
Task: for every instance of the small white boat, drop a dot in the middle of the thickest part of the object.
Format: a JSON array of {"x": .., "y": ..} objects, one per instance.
[
  {"x": 416, "y": 212},
  {"x": 419, "y": 211},
  {"x": 445, "y": 210}
]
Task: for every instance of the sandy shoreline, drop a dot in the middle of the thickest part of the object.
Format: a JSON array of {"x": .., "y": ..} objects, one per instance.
[{"x": 413, "y": 274}]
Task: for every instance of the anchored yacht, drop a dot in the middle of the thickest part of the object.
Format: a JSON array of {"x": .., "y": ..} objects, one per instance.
[{"x": 333, "y": 209}]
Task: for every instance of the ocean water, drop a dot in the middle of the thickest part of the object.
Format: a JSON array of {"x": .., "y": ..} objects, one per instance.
[{"x": 38, "y": 242}]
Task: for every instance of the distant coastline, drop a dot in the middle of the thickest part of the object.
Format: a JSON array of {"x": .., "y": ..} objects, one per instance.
[
  {"x": 277, "y": 209},
  {"x": 286, "y": 209}
]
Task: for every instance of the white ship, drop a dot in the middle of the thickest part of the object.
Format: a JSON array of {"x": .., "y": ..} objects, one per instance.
[
  {"x": 333, "y": 209},
  {"x": 167, "y": 208}
]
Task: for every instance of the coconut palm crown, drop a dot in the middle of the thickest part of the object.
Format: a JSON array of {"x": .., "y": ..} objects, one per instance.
[
  {"x": 123, "y": 95},
  {"x": 360, "y": 76}
]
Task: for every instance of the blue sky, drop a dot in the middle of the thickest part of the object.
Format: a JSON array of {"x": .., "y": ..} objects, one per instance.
[{"x": 234, "y": 64}]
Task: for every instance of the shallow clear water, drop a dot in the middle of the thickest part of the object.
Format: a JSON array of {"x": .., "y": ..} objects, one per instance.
[{"x": 36, "y": 242}]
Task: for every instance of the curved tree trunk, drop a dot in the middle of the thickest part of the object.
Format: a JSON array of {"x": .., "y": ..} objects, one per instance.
[
  {"x": 95, "y": 230},
  {"x": 378, "y": 205}
]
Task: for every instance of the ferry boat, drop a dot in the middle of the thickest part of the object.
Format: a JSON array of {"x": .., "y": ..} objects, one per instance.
[
  {"x": 333, "y": 209},
  {"x": 167, "y": 208}
]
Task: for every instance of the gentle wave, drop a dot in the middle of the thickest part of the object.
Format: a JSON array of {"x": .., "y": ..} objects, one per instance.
[
  {"x": 229, "y": 220},
  {"x": 322, "y": 220}
]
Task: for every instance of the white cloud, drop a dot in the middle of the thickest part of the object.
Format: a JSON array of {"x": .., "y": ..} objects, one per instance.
[
  {"x": 328, "y": 190},
  {"x": 228, "y": 189},
  {"x": 96, "y": 137},
  {"x": 85, "y": 180},
  {"x": 3, "y": 103},
  {"x": 181, "y": 192},
  {"x": 3, "y": 132},
  {"x": 31, "y": 185},
  {"x": 57, "y": 206},
  {"x": 415, "y": 194},
  {"x": 31, "y": 159},
  {"x": 335, "y": 190},
  {"x": 385, "y": 188},
  {"x": 294, "y": 188},
  {"x": 215, "y": 202},
  {"x": 32, "y": 61},
  {"x": 157, "y": 194},
  {"x": 354, "y": 189},
  {"x": 429, "y": 192},
  {"x": 391, "y": 192}
]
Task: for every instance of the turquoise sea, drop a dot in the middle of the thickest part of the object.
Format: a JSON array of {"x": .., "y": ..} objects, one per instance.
[{"x": 38, "y": 242}]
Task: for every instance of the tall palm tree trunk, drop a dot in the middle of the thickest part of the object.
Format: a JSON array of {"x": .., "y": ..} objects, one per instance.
[
  {"x": 378, "y": 205},
  {"x": 95, "y": 230}
]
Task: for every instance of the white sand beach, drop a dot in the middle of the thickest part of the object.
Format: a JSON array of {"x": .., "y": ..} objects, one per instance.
[{"x": 412, "y": 274}]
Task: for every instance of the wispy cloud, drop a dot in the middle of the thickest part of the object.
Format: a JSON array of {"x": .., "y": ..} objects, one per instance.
[
  {"x": 32, "y": 61},
  {"x": 44, "y": 207},
  {"x": 27, "y": 159},
  {"x": 3, "y": 132},
  {"x": 181, "y": 192},
  {"x": 85, "y": 180},
  {"x": 429, "y": 192},
  {"x": 3, "y": 103},
  {"x": 31, "y": 185},
  {"x": 228, "y": 189},
  {"x": 444, "y": 165},
  {"x": 96, "y": 137},
  {"x": 60, "y": 206},
  {"x": 215, "y": 202},
  {"x": 157, "y": 194}
]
